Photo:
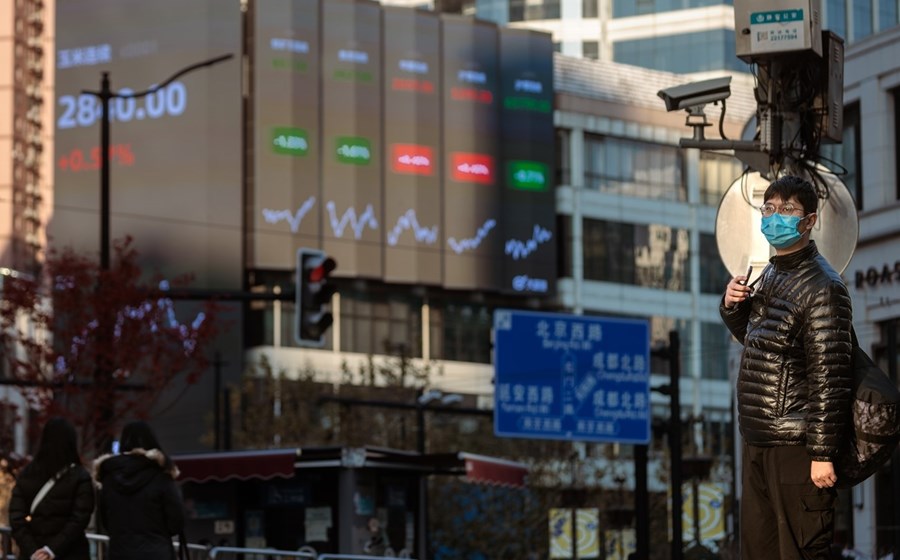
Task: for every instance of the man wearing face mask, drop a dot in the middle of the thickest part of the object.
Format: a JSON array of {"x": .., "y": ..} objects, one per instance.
[{"x": 795, "y": 382}]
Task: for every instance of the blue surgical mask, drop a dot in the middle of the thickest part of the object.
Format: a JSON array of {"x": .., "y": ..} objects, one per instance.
[{"x": 781, "y": 231}]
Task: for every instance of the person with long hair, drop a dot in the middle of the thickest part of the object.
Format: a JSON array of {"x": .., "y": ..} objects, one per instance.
[
  {"x": 53, "y": 499},
  {"x": 139, "y": 505}
]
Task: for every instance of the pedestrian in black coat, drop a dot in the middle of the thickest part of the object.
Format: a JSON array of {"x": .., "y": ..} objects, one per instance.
[
  {"x": 139, "y": 505},
  {"x": 53, "y": 526}
]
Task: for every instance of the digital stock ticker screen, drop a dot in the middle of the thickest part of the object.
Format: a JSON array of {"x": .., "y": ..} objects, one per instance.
[
  {"x": 174, "y": 155},
  {"x": 411, "y": 147}
]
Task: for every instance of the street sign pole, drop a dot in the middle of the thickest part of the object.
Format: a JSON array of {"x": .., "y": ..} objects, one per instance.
[{"x": 575, "y": 378}]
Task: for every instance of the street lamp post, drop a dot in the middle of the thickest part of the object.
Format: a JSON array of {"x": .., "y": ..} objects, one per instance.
[
  {"x": 103, "y": 376},
  {"x": 105, "y": 95}
]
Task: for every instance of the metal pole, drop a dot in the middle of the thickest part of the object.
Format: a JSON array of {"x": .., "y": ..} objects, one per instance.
[
  {"x": 227, "y": 414},
  {"x": 641, "y": 504},
  {"x": 423, "y": 485},
  {"x": 420, "y": 428},
  {"x": 217, "y": 400},
  {"x": 675, "y": 442},
  {"x": 695, "y": 486},
  {"x": 105, "y": 95},
  {"x": 574, "y": 504}
]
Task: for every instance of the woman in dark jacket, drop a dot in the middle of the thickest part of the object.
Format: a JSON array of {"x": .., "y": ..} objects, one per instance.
[
  {"x": 51, "y": 523},
  {"x": 139, "y": 505}
]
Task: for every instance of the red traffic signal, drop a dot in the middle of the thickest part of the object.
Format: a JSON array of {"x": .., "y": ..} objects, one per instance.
[{"x": 313, "y": 297}]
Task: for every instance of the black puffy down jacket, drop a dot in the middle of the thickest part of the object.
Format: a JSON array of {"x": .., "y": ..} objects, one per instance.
[
  {"x": 795, "y": 381},
  {"x": 139, "y": 504},
  {"x": 61, "y": 518}
]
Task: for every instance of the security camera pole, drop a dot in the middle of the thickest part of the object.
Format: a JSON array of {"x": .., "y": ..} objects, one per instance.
[{"x": 800, "y": 72}]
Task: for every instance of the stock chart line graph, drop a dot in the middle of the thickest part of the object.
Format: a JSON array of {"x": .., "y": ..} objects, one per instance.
[
  {"x": 522, "y": 249},
  {"x": 472, "y": 243},
  {"x": 294, "y": 219},
  {"x": 357, "y": 224},
  {"x": 408, "y": 221}
]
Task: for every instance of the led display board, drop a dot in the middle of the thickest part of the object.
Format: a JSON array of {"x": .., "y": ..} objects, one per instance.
[
  {"x": 471, "y": 196},
  {"x": 286, "y": 205},
  {"x": 527, "y": 161},
  {"x": 411, "y": 147},
  {"x": 352, "y": 158},
  {"x": 413, "y": 157},
  {"x": 174, "y": 155}
]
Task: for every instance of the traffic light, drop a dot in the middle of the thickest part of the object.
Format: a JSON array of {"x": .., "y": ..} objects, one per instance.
[{"x": 313, "y": 299}]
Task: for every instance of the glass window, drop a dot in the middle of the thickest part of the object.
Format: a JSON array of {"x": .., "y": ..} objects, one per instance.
[
  {"x": 628, "y": 8},
  {"x": 516, "y": 10},
  {"x": 716, "y": 345},
  {"x": 887, "y": 14},
  {"x": 493, "y": 10},
  {"x": 563, "y": 176},
  {"x": 717, "y": 173},
  {"x": 713, "y": 274},
  {"x": 634, "y": 168},
  {"x": 862, "y": 19},
  {"x": 885, "y": 354},
  {"x": 718, "y": 436},
  {"x": 608, "y": 250},
  {"x": 590, "y": 49},
  {"x": 540, "y": 10},
  {"x": 466, "y": 333},
  {"x": 589, "y": 8},
  {"x": 685, "y": 53},
  {"x": 836, "y": 17},
  {"x": 653, "y": 256},
  {"x": 846, "y": 158},
  {"x": 564, "y": 265},
  {"x": 380, "y": 324}
]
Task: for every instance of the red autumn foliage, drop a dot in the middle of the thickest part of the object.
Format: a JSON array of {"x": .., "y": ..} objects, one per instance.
[{"x": 99, "y": 346}]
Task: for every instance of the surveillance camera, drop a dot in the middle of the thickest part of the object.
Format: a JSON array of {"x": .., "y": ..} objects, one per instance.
[{"x": 696, "y": 93}]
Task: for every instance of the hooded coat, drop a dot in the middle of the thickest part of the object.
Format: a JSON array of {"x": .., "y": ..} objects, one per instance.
[
  {"x": 796, "y": 377},
  {"x": 138, "y": 505},
  {"x": 59, "y": 520}
]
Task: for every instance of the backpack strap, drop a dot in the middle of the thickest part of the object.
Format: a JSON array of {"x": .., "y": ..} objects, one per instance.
[{"x": 47, "y": 486}]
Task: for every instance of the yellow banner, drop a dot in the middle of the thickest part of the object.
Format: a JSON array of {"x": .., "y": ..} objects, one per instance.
[
  {"x": 712, "y": 511},
  {"x": 588, "y": 537}
]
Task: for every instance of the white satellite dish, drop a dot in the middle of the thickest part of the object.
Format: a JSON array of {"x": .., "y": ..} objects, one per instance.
[{"x": 741, "y": 244}]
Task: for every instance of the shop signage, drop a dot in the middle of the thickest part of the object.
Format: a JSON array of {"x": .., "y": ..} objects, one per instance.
[{"x": 873, "y": 276}]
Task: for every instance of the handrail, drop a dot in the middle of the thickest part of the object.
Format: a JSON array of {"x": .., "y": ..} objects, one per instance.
[
  {"x": 214, "y": 551},
  {"x": 352, "y": 557}
]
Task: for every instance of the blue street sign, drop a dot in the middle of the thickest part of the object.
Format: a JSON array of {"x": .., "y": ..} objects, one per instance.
[{"x": 571, "y": 377}]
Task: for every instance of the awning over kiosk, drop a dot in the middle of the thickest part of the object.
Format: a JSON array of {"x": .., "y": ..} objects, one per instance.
[
  {"x": 284, "y": 463},
  {"x": 236, "y": 465},
  {"x": 490, "y": 470}
]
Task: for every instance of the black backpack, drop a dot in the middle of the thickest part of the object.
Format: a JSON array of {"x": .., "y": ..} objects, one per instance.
[{"x": 876, "y": 421}]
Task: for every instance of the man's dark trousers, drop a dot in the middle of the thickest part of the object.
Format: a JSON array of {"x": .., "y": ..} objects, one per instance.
[{"x": 784, "y": 516}]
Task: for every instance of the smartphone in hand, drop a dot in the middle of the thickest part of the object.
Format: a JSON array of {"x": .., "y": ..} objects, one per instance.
[{"x": 749, "y": 272}]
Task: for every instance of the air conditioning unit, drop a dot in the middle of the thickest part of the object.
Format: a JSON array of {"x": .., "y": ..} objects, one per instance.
[{"x": 765, "y": 28}]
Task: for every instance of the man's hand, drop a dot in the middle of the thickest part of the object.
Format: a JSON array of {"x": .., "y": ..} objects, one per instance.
[
  {"x": 737, "y": 291},
  {"x": 822, "y": 474}
]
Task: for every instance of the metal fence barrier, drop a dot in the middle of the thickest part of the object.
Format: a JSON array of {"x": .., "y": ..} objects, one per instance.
[{"x": 99, "y": 544}]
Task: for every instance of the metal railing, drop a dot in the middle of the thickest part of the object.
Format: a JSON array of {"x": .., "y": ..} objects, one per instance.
[
  {"x": 267, "y": 553},
  {"x": 99, "y": 544}
]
